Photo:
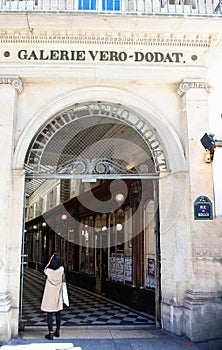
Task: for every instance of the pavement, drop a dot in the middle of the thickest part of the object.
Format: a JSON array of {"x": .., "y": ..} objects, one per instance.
[{"x": 107, "y": 338}]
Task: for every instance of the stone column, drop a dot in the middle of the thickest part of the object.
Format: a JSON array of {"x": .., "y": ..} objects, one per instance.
[
  {"x": 175, "y": 247},
  {"x": 203, "y": 307},
  {"x": 9, "y": 86},
  {"x": 15, "y": 244}
]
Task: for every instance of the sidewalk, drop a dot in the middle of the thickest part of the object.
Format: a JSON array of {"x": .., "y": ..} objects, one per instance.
[{"x": 107, "y": 339}]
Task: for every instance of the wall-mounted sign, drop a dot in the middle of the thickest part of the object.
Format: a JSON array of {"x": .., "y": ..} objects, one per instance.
[
  {"x": 78, "y": 54},
  {"x": 203, "y": 209}
]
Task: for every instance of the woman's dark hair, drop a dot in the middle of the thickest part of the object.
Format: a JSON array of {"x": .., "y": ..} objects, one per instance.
[{"x": 56, "y": 262}]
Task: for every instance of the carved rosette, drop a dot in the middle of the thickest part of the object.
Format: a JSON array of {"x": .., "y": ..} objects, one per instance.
[
  {"x": 14, "y": 81},
  {"x": 187, "y": 85}
]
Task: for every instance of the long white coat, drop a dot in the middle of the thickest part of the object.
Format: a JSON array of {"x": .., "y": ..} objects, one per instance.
[{"x": 52, "y": 300}]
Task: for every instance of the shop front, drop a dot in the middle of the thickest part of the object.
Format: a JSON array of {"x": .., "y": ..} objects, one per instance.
[
  {"x": 102, "y": 161},
  {"x": 97, "y": 202}
]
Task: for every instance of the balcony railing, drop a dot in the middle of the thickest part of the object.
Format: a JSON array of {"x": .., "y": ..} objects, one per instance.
[{"x": 143, "y": 7}]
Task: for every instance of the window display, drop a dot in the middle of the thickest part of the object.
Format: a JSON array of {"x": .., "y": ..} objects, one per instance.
[{"x": 120, "y": 268}]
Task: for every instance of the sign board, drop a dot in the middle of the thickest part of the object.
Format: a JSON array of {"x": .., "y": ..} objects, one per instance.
[
  {"x": 77, "y": 53},
  {"x": 203, "y": 209}
]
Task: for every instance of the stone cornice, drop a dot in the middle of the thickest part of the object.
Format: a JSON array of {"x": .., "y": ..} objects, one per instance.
[
  {"x": 110, "y": 38},
  {"x": 14, "y": 81}
]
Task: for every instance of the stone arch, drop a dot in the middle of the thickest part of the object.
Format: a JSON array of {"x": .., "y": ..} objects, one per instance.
[{"x": 163, "y": 132}]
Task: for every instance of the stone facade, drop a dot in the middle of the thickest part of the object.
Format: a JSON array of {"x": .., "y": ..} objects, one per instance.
[{"x": 158, "y": 67}]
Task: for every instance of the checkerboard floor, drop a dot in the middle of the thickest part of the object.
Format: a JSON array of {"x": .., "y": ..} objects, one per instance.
[{"x": 85, "y": 308}]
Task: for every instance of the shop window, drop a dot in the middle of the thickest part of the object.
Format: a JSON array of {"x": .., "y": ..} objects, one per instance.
[
  {"x": 120, "y": 268},
  {"x": 120, "y": 259},
  {"x": 106, "y": 246}
]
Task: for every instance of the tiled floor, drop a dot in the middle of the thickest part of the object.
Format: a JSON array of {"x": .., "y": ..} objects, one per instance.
[{"x": 86, "y": 308}]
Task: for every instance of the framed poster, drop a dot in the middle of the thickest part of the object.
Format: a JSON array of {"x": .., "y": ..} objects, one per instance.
[{"x": 151, "y": 267}]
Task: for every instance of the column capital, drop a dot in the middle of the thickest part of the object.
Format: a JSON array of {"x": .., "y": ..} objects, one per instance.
[
  {"x": 13, "y": 80},
  {"x": 188, "y": 84}
]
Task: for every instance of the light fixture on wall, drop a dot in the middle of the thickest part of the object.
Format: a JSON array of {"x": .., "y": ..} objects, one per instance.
[{"x": 208, "y": 143}]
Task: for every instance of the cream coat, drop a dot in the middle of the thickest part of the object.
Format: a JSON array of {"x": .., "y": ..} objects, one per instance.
[{"x": 52, "y": 297}]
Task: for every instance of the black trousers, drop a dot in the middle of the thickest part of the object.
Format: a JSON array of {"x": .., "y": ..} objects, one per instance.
[{"x": 50, "y": 320}]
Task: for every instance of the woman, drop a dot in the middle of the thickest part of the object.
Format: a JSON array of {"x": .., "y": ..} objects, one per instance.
[{"x": 52, "y": 301}]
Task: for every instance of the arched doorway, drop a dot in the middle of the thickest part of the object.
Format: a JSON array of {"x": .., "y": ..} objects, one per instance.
[{"x": 114, "y": 149}]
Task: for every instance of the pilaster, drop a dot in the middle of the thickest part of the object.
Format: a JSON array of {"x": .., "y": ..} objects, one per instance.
[
  {"x": 194, "y": 94},
  {"x": 9, "y": 87},
  {"x": 202, "y": 302},
  {"x": 15, "y": 244}
]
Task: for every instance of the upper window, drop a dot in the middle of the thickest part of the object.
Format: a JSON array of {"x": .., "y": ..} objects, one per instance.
[
  {"x": 107, "y": 5},
  {"x": 111, "y": 5}
]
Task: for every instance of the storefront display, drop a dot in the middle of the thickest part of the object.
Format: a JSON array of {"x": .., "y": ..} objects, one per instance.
[{"x": 120, "y": 268}]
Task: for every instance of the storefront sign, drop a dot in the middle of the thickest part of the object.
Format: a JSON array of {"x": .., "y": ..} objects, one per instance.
[
  {"x": 203, "y": 209},
  {"x": 79, "y": 55},
  {"x": 102, "y": 56}
]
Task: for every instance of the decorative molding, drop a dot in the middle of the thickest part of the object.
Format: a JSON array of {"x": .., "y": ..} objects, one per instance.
[
  {"x": 110, "y": 38},
  {"x": 197, "y": 299},
  {"x": 14, "y": 81},
  {"x": 118, "y": 114},
  {"x": 187, "y": 85}
]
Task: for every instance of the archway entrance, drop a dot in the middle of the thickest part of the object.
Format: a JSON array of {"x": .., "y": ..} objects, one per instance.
[{"x": 92, "y": 195}]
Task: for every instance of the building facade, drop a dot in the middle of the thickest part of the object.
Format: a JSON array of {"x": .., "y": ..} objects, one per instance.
[{"x": 134, "y": 93}]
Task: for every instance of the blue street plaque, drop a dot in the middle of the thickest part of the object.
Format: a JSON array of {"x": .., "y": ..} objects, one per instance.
[{"x": 203, "y": 209}]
